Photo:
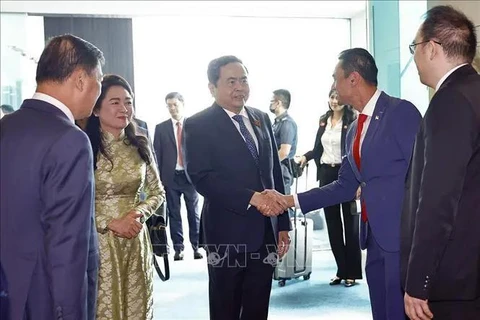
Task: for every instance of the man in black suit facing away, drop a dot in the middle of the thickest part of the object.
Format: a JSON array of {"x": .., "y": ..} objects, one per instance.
[
  {"x": 231, "y": 157},
  {"x": 167, "y": 145},
  {"x": 440, "y": 239}
]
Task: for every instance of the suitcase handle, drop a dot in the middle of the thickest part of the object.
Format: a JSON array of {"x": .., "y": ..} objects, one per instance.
[
  {"x": 296, "y": 191},
  {"x": 303, "y": 223}
]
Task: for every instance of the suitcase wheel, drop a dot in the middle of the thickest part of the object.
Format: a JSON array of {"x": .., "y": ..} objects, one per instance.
[
  {"x": 306, "y": 277},
  {"x": 281, "y": 283}
]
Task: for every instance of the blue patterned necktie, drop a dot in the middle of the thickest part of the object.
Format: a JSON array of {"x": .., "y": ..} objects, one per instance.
[{"x": 248, "y": 137}]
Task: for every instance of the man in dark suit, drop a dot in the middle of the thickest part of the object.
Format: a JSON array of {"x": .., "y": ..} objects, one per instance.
[
  {"x": 49, "y": 249},
  {"x": 379, "y": 146},
  {"x": 440, "y": 238},
  {"x": 167, "y": 144},
  {"x": 231, "y": 157}
]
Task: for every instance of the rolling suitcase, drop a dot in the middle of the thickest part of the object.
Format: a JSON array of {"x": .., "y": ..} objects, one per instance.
[{"x": 298, "y": 260}]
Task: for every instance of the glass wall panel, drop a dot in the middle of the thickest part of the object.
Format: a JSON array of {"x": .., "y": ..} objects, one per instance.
[
  {"x": 412, "y": 89},
  {"x": 21, "y": 46},
  {"x": 393, "y": 25}
]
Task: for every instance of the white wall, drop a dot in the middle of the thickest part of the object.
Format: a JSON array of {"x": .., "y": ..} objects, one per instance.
[{"x": 358, "y": 30}]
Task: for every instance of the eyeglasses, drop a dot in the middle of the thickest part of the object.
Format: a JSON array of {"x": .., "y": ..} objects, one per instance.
[{"x": 413, "y": 45}]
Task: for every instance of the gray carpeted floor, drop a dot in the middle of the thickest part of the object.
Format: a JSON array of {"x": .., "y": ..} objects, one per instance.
[{"x": 185, "y": 295}]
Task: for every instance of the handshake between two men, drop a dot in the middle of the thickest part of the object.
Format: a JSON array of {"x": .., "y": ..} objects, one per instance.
[{"x": 271, "y": 203}]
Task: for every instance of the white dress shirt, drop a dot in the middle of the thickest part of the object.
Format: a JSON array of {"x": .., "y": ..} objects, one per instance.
[
  {"x": 174, "y": 124},
  {"x": 54, "y": 102},
  {"x": 331, "y": 142},
  {"x": 368, "y": 111},
  {"x": 442, "y": 80},
  {"x": 246, "y": 120}
]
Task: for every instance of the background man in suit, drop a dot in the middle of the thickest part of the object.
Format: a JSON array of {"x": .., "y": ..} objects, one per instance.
[
  {"x": 231, "y": 157},
  {"x": 167, "y": 144},
  {"x": 285, "y": 132},
  {"x": 440, "y": 239},
  {"x": 49, "y": 249},
  {"x": 378, "y": 150}
]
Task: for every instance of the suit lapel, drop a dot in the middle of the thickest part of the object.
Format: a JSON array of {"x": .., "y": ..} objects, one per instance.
[
  {"x": 350, "y": 152},
  {"x": 229, "y": 132},
  {"x": 374, "y": 124},
  {"x": 256, "y": 124},
  {"x": 171, "y": 134}
]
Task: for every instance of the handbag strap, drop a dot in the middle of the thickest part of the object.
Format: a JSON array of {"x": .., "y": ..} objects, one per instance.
[{"x": 166, "y": 276}]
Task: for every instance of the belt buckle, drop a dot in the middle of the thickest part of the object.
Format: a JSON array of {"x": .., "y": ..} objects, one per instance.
[{"x": 332, "y": 165}]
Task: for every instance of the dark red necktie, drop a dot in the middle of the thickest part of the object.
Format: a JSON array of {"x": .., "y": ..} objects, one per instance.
[
  {"x": 179, "y": 144},
  {"x": 356, "y": 154}
]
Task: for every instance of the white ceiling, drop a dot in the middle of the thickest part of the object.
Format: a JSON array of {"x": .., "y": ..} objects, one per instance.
[{"x": 308, "y": 9}]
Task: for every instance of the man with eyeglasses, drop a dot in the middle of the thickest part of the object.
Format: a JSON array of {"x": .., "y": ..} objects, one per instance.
[{"x": 440, "y": 240}]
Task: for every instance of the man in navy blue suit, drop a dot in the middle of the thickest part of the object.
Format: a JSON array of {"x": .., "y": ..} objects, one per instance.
[
  {"x": 49, "y": 249},
  {"x": 231, "y": 158},
  {"x": 378, "y": 151}
]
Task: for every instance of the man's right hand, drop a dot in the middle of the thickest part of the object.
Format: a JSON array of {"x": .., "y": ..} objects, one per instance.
[
  {"x": 269, "y": 204},
  {"x": 128, "y": 226}
]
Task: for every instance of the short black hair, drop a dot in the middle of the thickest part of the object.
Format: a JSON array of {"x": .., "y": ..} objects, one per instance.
[
  {"x": 284, "y": 96},
  {"x": 213, "y": 71},
  {"x": 361, "y": 61},
  {"x": 174, "y": 95},
  {"x": 453, "y": 30},
  {"x": 63, "y": 54},
  {"x": 6, "y": 108}
]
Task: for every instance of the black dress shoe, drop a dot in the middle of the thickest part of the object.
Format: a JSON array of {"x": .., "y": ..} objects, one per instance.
[
  {"x": 335, "y": 281},
  {"x": 178, "y": 256},
  {"x": 349, "y": 283},
  {"x": 197, "y": 255}
]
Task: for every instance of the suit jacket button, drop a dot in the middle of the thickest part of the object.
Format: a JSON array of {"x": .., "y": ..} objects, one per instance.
[{"x": 363, "y": 184}]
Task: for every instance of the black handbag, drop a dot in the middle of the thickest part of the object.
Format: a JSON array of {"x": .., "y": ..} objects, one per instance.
[
  {"x": 157, "y": 225},
  {"x": 295, "y": 168},
  {"x": 355, "y": 208}
]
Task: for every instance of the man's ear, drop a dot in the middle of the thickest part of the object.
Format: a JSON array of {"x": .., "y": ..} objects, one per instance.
[
  {"x": 432, "y": 50},
  {"x": 213, "y": 89},
  {"x": 354, "y": 78},
  {"x": 79, "y": 78}
]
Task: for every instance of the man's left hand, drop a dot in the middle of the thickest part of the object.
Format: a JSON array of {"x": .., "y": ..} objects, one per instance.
[
  {"x": 283, "y": 243},
  {"x": 417, "y": 309}
]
